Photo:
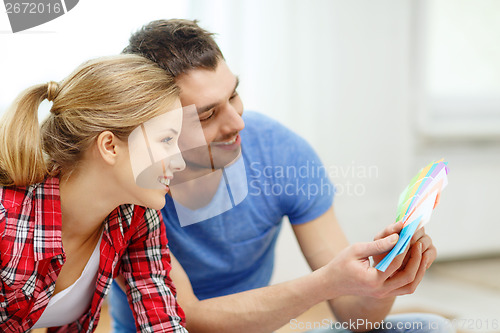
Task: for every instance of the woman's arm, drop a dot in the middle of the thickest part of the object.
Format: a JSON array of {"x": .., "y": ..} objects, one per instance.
[{"x": 145, "y": 268}]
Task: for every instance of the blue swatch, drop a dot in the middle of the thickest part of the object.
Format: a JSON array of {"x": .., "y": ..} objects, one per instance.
[{"x": 404, "y": 238}]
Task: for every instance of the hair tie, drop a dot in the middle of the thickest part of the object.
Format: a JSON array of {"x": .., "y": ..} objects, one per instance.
[{"x": 52, "y": 90}]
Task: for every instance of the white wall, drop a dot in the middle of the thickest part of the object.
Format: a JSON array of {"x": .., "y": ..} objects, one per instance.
[
  {"x": 337, "y": 73},
  {"x": 53, "y": 50},
  {"x": 344, "y": 74}
]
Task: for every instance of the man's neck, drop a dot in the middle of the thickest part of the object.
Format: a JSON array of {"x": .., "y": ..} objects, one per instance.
[{"x": 196, "y": 188}]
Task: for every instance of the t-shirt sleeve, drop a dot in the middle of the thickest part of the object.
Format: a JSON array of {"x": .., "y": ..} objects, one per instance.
[{"x": 306, "y": 191}]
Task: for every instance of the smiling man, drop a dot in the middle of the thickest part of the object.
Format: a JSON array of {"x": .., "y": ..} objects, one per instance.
[{"x": 223, "y": 264}]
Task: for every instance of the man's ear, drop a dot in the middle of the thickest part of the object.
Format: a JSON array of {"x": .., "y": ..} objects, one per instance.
[{"x": 107, "y": 144}]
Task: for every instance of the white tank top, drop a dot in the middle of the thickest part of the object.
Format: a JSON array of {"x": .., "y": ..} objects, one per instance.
[{"x": 71, "y": 303}]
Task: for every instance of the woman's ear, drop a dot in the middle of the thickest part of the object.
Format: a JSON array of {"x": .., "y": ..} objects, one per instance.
[{"x": 107, "y": 144}]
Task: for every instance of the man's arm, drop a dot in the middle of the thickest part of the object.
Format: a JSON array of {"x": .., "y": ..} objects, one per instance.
[
  {"x": 267, "y": 309},
  {"x": 322, "y": 239},
  {"x": 259, "y": 310}
]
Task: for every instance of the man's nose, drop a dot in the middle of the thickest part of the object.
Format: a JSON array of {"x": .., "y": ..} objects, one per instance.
[
  {"x": 177, "y": 163},
  {"x": 233, "y": 122}
]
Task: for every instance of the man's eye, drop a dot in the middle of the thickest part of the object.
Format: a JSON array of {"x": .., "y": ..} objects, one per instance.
[
  {"x": 207, "y": 115},
  {"x": 233, "y": 96},
  {"x": 167, "y": 140}
]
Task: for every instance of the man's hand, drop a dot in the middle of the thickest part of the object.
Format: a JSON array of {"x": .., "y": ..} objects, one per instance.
[
  {"x": 345, "y": 270},
  {"x": 394, "y": 228},
  {"x": 428, "y": 250},
  {"x": 350, "y": 273}
]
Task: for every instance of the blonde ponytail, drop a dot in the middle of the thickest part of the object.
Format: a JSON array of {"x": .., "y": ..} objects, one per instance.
[
  {"x": 115, "y": 93},
  {"x": 21, "y": 156}
]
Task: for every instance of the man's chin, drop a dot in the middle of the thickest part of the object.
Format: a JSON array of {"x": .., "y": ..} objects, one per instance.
[
  {"x": 219, "y": 159},
  {"x": 223, "y": 158}
]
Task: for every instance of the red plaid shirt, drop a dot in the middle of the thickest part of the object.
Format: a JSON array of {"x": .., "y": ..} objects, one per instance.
[{"x": 133, "y": 245}]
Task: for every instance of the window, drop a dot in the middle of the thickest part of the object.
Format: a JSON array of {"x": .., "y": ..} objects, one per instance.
[{"x": 457, "y": 68}]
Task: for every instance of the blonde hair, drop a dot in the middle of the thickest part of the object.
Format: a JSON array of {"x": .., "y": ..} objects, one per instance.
[{"x": 114, "y": 93}]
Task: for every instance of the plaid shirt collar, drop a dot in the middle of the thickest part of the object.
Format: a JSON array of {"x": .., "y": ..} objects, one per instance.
[
  {"x": 47, "y": 240},
  {"x": 47, "y": 237}
]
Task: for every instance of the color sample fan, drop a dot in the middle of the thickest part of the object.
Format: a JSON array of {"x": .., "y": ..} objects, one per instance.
[{"x": 416, "y": 204}]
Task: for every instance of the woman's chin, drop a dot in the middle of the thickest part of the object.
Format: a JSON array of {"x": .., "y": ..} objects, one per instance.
[
  {"x": 159, "y": 202},
  {"x": 154, "y": 199}
]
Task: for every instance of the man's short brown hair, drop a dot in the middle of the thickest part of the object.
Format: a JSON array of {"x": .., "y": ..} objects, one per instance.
[{"x": 176, "y": 45}]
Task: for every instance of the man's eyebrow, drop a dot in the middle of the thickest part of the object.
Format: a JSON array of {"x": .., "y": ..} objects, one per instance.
[
  {"x": 208, "y": 107},
  {"x": 236, "y": 84}
]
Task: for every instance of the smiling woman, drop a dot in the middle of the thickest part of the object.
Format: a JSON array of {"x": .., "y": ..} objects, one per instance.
[{"x": 70, "y": 206}]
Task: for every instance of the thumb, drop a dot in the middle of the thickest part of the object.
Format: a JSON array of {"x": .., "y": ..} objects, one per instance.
[{"x": 379, "y": 246}]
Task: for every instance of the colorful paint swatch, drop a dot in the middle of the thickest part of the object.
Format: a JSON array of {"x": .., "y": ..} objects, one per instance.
[{"x": 416, "y": 204}]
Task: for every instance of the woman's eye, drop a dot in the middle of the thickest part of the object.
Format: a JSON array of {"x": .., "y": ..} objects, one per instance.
[
  {"x": 167, "y": 140},
  {"x": 207, "y": 115},
  {"x": 233, "y": 96}
]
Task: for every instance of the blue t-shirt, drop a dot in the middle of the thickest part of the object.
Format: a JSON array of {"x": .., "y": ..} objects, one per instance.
[{"x": 234, "y": 251}]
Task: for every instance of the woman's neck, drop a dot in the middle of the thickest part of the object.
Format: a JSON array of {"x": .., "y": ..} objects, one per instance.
[{"x": 85, "y": 203}]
